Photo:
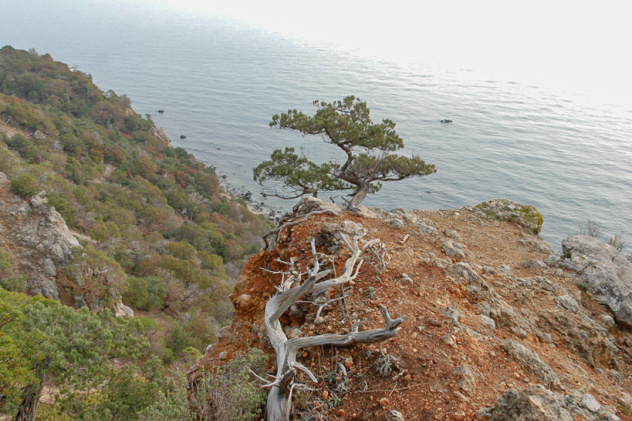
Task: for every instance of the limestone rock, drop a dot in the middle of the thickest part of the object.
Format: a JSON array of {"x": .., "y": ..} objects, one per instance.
[
  {"x": 532, "y": 362},
  {"x": 49, "y": 268},
  {"x": 453, "y": 249},
  {"x": 121, "y": 310},
  {"x": 589, "y": 402},
  {"x": 568, "y": 303},
  {"x": 46, "y": 287},
  {"x": 506, "y": 210},
  {"x": 467, "y": 381},
  {"x": 45, "y": 230},
  {"x": 606, "y": 272},
  {"x": 533, "y": 404}
]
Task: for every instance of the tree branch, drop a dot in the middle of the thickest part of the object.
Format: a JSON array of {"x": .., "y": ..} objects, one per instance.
[{"x": 290, "y": 292}]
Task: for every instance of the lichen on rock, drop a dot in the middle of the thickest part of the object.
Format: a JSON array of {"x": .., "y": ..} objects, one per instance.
[{"x": 506, "y": 210}]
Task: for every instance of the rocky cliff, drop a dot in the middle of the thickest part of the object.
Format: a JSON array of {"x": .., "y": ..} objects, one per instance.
[{"x": 496, "y": 325}]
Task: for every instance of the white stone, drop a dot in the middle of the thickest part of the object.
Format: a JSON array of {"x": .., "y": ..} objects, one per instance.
[{"x": 590, "y": 403}]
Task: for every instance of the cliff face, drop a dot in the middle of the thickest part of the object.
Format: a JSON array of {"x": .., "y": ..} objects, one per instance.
[
  {"x": 496, "y": 325},
  {"x": 38, "y": 238}
]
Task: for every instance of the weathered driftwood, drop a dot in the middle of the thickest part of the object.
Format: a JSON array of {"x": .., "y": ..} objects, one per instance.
[{"x": 292, "y": 290}]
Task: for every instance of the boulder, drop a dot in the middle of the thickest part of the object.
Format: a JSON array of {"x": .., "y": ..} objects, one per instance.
[
  {"x": 535, "y": 403},
  {"x": 606, "y": 273},
  {"x": 532, "y": 362},
  {"x": 45, "y": 230},
  {"x": 506, "y": 210}
]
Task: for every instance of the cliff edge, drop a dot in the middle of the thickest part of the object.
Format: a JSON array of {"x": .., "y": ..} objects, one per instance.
[{"x": 496, "y": 325}]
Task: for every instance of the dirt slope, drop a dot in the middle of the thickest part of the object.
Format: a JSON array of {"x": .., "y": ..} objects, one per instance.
[{"x": 483, "y": 314}]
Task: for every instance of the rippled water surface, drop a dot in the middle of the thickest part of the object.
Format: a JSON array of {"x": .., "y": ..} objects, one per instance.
[{"x": 220, "y": 83}]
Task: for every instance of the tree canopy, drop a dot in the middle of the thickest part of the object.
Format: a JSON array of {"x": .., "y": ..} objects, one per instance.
[{"x": 367, "y": 146}]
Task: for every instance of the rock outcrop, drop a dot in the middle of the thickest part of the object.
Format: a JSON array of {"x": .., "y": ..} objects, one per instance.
[
  {"x": 496, "y": 326},
  {"x": 604, "y": 271},
  {"x": 39, "y": 239}
]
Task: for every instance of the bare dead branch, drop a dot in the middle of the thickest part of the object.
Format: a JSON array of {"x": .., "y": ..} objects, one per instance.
[{"x": 291, "y": 291}]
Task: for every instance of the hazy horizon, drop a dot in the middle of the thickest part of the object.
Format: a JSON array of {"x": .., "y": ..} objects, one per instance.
[{"x": 577, "y": 48}]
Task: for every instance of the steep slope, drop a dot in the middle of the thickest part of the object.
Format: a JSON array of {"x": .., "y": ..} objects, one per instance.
[{"x": 490, "y": 329}]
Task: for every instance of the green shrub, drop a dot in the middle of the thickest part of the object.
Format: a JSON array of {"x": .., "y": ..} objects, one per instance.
[
  {"x": 233, "y": 390},
  {"x": 25, "y": 185},
  {"x": 137, "y": 293},
  {"x": 13, "y": 283},
  {"x": 63, "y": 206}
]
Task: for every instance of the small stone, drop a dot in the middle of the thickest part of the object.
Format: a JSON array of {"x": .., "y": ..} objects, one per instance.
[
  {"x": 349, "y": 362},
  {"x": 487, "y": 322},
  {"x": 395, "y": 415},
  {"x": 590, "y": 403},
  {"x": 325, "y": 395},
  {"x": 607, "y": 320},
  {"x": 568, "y": 302},
  {"x": 448, "y": 340}
]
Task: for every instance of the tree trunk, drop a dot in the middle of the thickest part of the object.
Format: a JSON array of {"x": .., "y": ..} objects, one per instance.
[
  {"x": 359, "y": 195},
  {"x": 292, "y": 290},
  {"x": 28, "y": 406}
]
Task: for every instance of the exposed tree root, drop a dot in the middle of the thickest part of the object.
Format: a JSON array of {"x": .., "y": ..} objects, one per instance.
[{"x": 292, "y": 289}]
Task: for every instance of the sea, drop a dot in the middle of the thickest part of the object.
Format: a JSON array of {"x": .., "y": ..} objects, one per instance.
[{"x": 219, "y": 82}]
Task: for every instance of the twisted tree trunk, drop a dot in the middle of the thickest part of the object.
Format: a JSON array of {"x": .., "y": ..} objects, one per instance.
[
  {"x": 292, "y": 290},
  {"x": 30, "y": 402}
]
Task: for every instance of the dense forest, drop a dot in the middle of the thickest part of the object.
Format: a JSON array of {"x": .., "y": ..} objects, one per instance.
[{"x": 155, "y": 228}]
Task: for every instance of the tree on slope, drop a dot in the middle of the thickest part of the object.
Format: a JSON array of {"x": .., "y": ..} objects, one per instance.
[
  {"x": 43, "y": 341},
  {"x": 367, "y": 146}
]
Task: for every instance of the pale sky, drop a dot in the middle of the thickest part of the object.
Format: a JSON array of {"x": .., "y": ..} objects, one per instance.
[{"x": 579, "y": 46}]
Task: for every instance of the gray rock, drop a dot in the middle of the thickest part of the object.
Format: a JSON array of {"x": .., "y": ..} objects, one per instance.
[
  {"x": 3, "y": 178},
  {"x": 397, "y": 223},
  {"x": 535, "y": 403},
  {"x": 395, "y": 415},
  {"x": 568, "y": 303},
  {"x": 453, "y": 234},
  {"x": 365, "y": 212},
  {"x": 506, "y": 210},
  {"x": 534, "y": 264},
  {"x": 533, "y": 363},
  {"x": 467, "y": 381},
  {"x": 553, "y": 259},
  {"x": 464, "y": 270},
  {"x": 45, "y": 230},
  {"x": 424, "y": 228},
  {"x": 607, "y": 320},
  {"x": 487, "y": 322},
  {"x": 49, "y": 268},
  {"x": 589, "y": 402},
  {"x": 453, "y": 314},
  {"x": 39, "y": 200},
  {"x": 45, "y": 287},
  {"x": 506, "y": 269},
  {"x": 607, "y": 274},
  {"x": 453, "y": 249}
]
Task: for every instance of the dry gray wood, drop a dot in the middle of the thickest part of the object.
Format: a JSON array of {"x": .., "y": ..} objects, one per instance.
[{"x": 292, "y": 290}]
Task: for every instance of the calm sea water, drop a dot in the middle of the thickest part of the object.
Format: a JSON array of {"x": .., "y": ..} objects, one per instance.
[{"x": 219, "y": 83}]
